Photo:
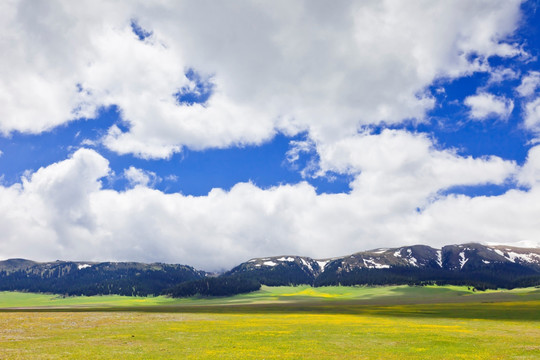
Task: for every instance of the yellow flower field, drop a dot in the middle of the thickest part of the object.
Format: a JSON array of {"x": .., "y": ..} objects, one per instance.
[
  {"x": 132, "y": 335},
  {"x": 465, "y": 327}
]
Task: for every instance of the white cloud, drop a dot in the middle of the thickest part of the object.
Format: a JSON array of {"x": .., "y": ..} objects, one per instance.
[
  {"x": 405, "y": 170},
  {"x": 485, "y": 105},
  {"x": 532, "y": 115},
  {"x": 276, "y": 66},
  {"x": 501, "y": 74},
  {"x": 171, "y": 178},
  {"x": 509, "y": 218},
  {"x": 327, "y": 69},
  {"x": 142, "y": 177},
  {"x": 306, "y": 147},
  {"x": 527, "y": 88},
  {"x": 88, "y": 142},
  {"x": 298, "y": 147},
  {"x": 61, "y": 211},
  {"x": 529, "y": 174},
  {"x": 529, "y": 84}
]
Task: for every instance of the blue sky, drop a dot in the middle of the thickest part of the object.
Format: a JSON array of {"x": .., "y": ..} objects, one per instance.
[
  {"x": 248, "y": 129},
  {"x": 190, "y": 172}
]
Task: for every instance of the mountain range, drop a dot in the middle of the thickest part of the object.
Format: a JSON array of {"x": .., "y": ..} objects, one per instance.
[{"x": 477, "y": 265}]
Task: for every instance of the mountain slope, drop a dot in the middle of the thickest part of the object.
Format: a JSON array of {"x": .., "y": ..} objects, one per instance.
[
  {"x": 88, "y": 278},
  {"x": 274, "y": 271},
  {"x": 475, "y": 264},
  {"x": 471, "y": 264}
]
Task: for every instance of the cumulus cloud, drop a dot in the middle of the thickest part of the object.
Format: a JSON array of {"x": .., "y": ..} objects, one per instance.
[
  {"x": 485, "y": 105},
  {"x": 142, "y": 177},
  {"x": 62, "y": 211},
  {"x": 501, "y": 74},
  {"x": 529, "y": 174},
  {"x": 527, "y": 89},
  {"x": 409, "y": 158},
  {"x": 508, "y": 218},
  {"x": 316, "y": 67},
  {"x": 529, "y": 84},
  {"x": 50, "y": 210},
  {"x": 532, "y": 115}
]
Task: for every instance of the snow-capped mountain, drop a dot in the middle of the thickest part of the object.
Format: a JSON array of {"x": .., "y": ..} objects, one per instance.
[
  {"x": 400, "y": 265},
  {"x": 451, "y": 257},
  {"x": 472, "y": 264}
]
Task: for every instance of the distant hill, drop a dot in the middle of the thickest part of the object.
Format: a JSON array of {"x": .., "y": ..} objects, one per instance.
[
  {"x": 475, "y": 265},
  {"x": 90, "y": 278}
]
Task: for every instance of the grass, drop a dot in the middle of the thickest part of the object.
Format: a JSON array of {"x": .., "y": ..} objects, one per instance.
[
  {"x": 278, "y": 323},
  {"x": 10, "y": 299},
  {"x": 136, "y": 335},
  {"x": 381, "y": 295}
]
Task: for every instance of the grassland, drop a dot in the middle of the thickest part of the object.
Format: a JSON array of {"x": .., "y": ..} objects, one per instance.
[
  {"x": 381, "y": 295},
  {"x": 277, "y": 323}
]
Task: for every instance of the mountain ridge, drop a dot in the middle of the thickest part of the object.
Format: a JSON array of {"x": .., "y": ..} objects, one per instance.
[
  {"x": 481, "y": 266},
  {"x": 93, "y": 278},
  {"x": 449, "y": 257}
]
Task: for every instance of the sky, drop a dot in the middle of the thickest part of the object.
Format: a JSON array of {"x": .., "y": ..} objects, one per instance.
[{"x": 210, "y": 132}]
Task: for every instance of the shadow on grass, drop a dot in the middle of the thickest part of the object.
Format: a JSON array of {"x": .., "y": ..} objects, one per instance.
[{"x": 515, "y": 311}]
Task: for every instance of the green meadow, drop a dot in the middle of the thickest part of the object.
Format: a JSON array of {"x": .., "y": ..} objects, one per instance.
[
  {"x": 301, "y": 322},
  {"x": 278, "y": 295}
]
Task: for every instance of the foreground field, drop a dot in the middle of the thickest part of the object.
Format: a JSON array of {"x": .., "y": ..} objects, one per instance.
[
  {"x": 280, "y": 323},
  {"x": 261, "y": 336}
]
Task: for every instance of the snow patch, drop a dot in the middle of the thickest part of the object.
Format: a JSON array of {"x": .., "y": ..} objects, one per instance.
[
  {"x": 372, "y": 264},
  {"x": 462, "y": 259},
  {"x": 269, "y": 263},
  {"x": 307, "y": 264},
  {"x": 529, "y": 258},
  {"x": 322, "y": 264},
  {"x": 499, "y": 252},
  {"x": 486, "y": 262},
  {"x": 413, "y": 261},
  {"x": 83, "y": 266},
  {"x": 439, "y": 257},
  {"x": 290, "y": 259},
  {"x": 379, "y": 251}
]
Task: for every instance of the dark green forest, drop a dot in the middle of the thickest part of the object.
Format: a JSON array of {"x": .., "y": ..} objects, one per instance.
[{"x": 101, "y": 279}]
